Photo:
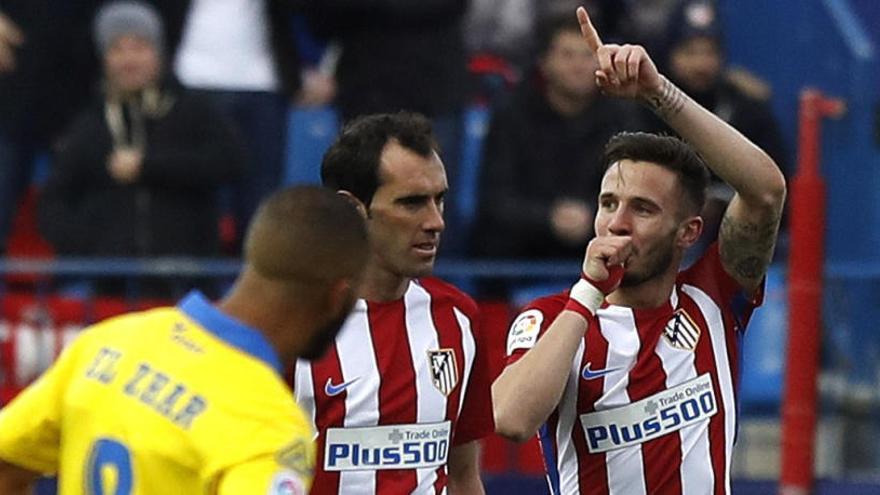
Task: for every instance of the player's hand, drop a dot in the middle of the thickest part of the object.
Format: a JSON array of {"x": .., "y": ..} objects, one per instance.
[
  {"x": 605, "y": 260},
  {"x": 624, "y": 71},
  {"x": 124, "y": 165},
  {"x": 11, "y": 37}
]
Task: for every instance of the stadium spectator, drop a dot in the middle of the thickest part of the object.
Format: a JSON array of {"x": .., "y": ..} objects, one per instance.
[
  {"x": 191, "y": 399},
  {"x": 137, "y": 173},
  {"x": 541, "y": 155},
  {"x": 242, "y": 56},
  {"x": 695, "y": 62},
  {"x": 47, "y": 70},
  {"x": 402, "y": 55},
  {"x": 409, "y": 369},
  {"x": 633, "y": 371}
]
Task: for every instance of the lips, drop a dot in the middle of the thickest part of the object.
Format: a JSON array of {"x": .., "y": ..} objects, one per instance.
[{"x": 425, "y": 248}]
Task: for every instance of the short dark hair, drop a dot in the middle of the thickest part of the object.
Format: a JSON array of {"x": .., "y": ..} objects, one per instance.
[
  {"x": 306, "y": 234},
  {"x": 352, "y": 162},
  {"x": 668, "y": 152},
  {"x": 551, "y": 26}
]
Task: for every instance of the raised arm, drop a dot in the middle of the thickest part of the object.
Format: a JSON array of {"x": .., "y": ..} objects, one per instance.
[{"x": 751, "y": 222}]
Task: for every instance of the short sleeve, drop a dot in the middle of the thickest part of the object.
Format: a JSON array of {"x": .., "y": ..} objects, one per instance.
[
  {"x": 475, "y": 420},
  {"x": 709, "y": 275},
  {"x": 30, "y": 425},
  {"x": 264, "y": 475},
  {"x": 530, "y": 324}
]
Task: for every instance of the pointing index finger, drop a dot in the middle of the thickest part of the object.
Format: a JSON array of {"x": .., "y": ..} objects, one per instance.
[{"x": 588, "y": 31}]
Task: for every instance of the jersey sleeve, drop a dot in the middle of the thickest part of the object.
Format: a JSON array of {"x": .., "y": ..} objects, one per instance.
[
  {"x": 709, "y": 275},
  {"x": 476, "y": 420},
  {"x": 531, "y": 324},
  {"x": 264, "y": 475},
  {"x": 30, "y": 425}
]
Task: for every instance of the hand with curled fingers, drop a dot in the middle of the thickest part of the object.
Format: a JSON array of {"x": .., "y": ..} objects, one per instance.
[
  {"x": 603, "y": 271},
  {"x": 625, "y": 71}
]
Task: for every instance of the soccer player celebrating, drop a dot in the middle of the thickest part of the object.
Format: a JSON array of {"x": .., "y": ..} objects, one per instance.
[
  {"x": 402, "y": 396},
  {"x": 191, "y": 399},
  {"x": 632, "y": 372}
]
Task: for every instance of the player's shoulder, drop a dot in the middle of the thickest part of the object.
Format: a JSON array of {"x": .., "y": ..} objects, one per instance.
[
  {"x": 442, "y": 291},
  {"x": 549, "y": 305}
]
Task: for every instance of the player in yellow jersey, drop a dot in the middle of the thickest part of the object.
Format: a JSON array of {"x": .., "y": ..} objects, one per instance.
[{"x": 190, "y": 399}]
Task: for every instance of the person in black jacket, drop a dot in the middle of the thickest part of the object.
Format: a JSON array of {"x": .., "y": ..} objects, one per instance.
[
  {"x": 138, "y": 172},
  {"x": 243, "y": 57},
  {"x": 47, "y": 71},
  {"x": 541, "y": 158}
]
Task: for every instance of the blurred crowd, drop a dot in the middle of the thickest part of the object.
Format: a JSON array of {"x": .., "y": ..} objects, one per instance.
[{"x": 165, "y": 122}]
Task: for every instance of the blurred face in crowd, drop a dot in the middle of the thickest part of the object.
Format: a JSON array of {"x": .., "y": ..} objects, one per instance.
[
  {"x": 405, "y": 217},
  {"x": 644, "y": 200},
  {"x": 696, "y": 63},
  {"x": 131, "y": 64},
  {"x": 569, "y": 66}
]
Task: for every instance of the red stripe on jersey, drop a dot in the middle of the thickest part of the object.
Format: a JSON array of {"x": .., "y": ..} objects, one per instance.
[
  {"x": 592, "y": 468},
  {"x": 661, "y": 457},
  {"x": 333, "y": 415},
  {"x": 704, "y": 361},
  {"x": 449, "y": 336},
  {"x": 397, "y": 386}
]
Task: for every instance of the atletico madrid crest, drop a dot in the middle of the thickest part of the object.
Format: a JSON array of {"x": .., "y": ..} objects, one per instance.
[
  {"x": 444, "y": 372},
  {"x": 681, "y": 331}
]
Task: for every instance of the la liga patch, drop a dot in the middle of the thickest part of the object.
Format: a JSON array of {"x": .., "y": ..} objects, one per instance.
[{"x": 524, "y": 330}]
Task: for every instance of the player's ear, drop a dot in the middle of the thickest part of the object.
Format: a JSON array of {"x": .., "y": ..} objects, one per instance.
[
  {"x": 351, "y": 198},
  {"x": 689, "y": 231}
]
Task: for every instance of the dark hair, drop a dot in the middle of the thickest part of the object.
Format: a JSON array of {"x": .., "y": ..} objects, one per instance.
[
  {"x": 668, "y": 152},
  {"x": 306, "y": 234},
  {"x": 551, "y": 26},
  {"x": 352, "y": 162}
]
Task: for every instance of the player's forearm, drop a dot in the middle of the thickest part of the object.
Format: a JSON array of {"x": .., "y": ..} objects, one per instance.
[
  {"x": 527, "y": 391},
  {"x": 464, "y": 470},
  {"x": 739, "y": 162}
]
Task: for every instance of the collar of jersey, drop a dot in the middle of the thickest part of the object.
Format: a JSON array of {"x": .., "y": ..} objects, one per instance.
[{"x": 229, "y": 330}]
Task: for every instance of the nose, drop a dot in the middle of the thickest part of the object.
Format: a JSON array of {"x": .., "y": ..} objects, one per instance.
[
  {"x": 433, "y": 221},
  {"x": 620, "y": 223}
]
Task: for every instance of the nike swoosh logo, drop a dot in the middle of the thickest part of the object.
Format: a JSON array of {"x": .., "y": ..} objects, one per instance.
[
  {"x": 332, "y": 390},
  {"x": 589, "y": 374}
]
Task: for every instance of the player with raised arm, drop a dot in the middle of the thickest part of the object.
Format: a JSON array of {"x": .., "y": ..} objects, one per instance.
[
  {"x": 402, "y": 397},
  {"x": 631, "y": 375},
  {"x": 191, "y": 399}
]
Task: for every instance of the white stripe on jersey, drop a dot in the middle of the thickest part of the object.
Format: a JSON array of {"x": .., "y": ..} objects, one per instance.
[
  {"x": 469, "y": 348},
  {"x": 618, "y": 326},
  {"x": 715, "y": 323},
  {"x": 357, "y": 359},
  {"x": 567, "y": 461},
  {"x": 422, "y": 335},
  {"x": 696, "y": 469},
  {"x": 303, "y": 389}
]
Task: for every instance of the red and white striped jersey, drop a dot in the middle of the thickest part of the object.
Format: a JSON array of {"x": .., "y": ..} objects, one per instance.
[
  {"x": 405, "y": 382},
  {"x": 650, "y": 404}
]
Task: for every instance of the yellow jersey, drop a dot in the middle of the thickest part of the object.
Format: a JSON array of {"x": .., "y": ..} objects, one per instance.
[{"x": 174, "y": 400}]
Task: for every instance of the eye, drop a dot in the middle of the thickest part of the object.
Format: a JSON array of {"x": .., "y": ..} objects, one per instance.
[{"x": 607, "y": 204}]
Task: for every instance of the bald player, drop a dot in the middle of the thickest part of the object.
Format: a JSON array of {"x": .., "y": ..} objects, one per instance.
[{"x": 190, "y": 399}]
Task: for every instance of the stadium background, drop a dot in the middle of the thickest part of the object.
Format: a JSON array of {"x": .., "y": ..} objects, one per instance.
[{"x": 830, "y": 45}]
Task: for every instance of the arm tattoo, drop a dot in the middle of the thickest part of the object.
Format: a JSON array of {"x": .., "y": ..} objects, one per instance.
[
  {"x": 669, "y": 102},
  {"x": 747, "y": 247}
]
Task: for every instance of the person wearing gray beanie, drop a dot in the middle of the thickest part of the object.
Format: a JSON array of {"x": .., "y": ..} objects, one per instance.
[{"x": 127, "y": 17}]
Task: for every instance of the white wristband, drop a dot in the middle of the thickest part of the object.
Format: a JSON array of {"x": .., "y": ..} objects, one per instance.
[{"x": 587, "y": 295}]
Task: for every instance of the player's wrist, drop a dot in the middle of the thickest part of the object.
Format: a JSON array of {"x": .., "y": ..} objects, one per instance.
[{"x": 586, "y": 296}]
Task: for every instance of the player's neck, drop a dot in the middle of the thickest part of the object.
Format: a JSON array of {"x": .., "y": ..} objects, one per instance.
[{"x": 382, "y": 285}]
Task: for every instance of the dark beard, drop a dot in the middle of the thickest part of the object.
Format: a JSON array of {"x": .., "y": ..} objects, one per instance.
[
  {"x": 324, "y": 337},
  {"x": 658, "y": 263}
]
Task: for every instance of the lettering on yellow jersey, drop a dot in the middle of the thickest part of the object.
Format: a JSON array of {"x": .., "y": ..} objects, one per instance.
[
  {"x": 172, "y": 400},
  {"x": 178, "y": 334},
  {"x": 103, "y": 367}
]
